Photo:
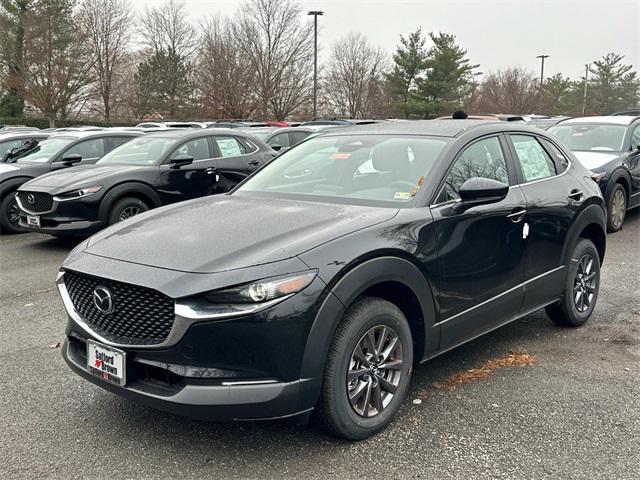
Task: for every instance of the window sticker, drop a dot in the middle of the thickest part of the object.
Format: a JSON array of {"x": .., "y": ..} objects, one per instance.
[
  {"x": 402, "y": 196},
  {"x": 340, "y": 156}
]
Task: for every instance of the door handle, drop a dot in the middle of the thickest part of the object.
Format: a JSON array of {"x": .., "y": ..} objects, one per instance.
[
  {"x": 254, "y": 162},
  {"x": 517, "y": 214},
  {"x": 210, "y": 170},
  {"x": 575, "y": 194}
]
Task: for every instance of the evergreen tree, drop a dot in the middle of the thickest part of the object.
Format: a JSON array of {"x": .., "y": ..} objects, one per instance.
[
  {"x": 612, "y": 85},
  {"x": 563, "y": 96},
  {"x": 450, "y": 76},
  {"x": 410, "y": 63}
]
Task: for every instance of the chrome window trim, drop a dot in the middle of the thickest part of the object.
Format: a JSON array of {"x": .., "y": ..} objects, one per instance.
[
  {"x": 187, "y": 312},
  {"x": 489, "y": 300}
]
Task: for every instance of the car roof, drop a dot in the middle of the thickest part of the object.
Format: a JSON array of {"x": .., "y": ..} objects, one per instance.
[
  {"x": 611, "y": 119},
  {"x": 438, "y": 128},
  {"x": 94, "y": 133},
  {"x": 181, "y": 133},
  {"x": 23, "y": 134}
]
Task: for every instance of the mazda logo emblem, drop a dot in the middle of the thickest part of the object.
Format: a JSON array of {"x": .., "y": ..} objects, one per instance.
[
  {"x": 103, "y": 300},
  {"x": 31, "y": 199}
]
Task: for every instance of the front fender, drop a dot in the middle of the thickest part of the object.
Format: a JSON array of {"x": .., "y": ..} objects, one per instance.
[
  {"x": 123, "y": 189},
  {"x": 343, "y": 293}
]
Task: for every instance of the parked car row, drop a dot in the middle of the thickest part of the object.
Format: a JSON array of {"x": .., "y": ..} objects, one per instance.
[{"x": 322, "y": 279}]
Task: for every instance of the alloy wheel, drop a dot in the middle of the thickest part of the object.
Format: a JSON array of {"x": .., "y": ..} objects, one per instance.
[
  {"x": 375, "y": 371},
  {"x": 584, "y": 284},
  {"x": 13, "y": 213},
  {"x": 618, "y": 208},
  {"x": 129, "y": 212}
]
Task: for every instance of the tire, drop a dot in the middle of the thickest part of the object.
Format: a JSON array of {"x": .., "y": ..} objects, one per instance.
[
  {"x": 125, "y": 208},
  {"x": 582, "y": 285},
  {"x": 8, "y": 207},
  {"x": 360, "y": 420},
  {"x": 616, "y": 208}
]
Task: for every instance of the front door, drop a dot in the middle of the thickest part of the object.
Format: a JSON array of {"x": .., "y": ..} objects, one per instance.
[
  {"x": 189, "y": 181},
  {"x": 480, "y": 251}
]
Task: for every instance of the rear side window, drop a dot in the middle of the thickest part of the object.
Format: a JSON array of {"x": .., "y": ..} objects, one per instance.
[
  {"x": 87, "y": 149},
  {"x": 535, "y": 163},
  {"x": 229, "y": 147},
  {"x": 117, "y": 141},
  {"x": 297, "y": 137},
  {"x": 561, "y": 161},
  {"x": 481, "y": 159}
]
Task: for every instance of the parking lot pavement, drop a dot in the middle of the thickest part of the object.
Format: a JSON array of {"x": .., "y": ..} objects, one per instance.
[{"x": 574, "y": 413}]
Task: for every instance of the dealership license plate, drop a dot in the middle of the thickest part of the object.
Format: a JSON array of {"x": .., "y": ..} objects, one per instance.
[
  {"x": 106, "y": 362},
  {"x": 33, "y": 220}
]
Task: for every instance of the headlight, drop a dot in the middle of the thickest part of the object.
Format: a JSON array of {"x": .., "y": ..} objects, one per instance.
[
  {"x": 262, "y": 290},
  {"x": 82, "y": 192}
]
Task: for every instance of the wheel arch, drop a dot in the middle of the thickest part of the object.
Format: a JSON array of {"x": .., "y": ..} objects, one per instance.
[
  {"x": 138, "y": 190},
  {"x": 391, "y": 278},
  {"x": 591, "y": 224},
  {"x": 12, "y": 184},
  {"x": 619, "y": 175}
]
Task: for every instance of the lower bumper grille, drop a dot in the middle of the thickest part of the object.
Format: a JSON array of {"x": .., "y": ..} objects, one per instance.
[{"x": 132, "y": 315}]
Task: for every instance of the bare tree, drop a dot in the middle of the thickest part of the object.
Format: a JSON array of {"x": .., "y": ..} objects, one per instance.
[
  {"x": 354, "y": 76},
  {"x": 513, "y": 90},
  {"x": 225, "y": 76},
  {"x": 56, "y": 65},
  {"x": 280, "y": 49},
  {"x": 108, "y": 27},
  {"x": 167, "y": 29}
]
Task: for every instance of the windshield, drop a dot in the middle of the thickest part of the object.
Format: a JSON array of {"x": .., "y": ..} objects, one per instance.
[
  {"x": 603, "y": 137},
  {"x": 140, "y": 151},
  {"x": 381, "y": 168},
  {"x": 46, "y": 150}
]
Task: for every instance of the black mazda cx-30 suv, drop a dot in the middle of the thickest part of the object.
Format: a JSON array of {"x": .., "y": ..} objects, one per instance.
[
  {"x": 160, "y": 168},
  {"x": 319, "y": 281}
]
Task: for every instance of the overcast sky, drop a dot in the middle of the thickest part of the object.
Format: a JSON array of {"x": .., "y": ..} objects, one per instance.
[{"x": 496, "y": 34}]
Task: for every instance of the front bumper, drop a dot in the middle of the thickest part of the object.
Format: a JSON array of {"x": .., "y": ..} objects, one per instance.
[{"x": 230, "y": 400}]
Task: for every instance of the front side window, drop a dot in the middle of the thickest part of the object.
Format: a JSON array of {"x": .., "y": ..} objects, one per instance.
[
  {"x": 281, "y": 139},
  {"x": 534, "y": 161},
  {"x": 46, "y": 150},
  {"x": 297, "y": 137},
  {"x": 198, "y": 149},
  {"x": 481, "y": 159},
  {"x": 356, "y": 168},
  {"x": 583, "y": 137},
  {"x": 635, "y": 138},
  {"x": 229, "y": 147},
  {"x": 140, "y": 151},
  {"x": 88, "y": 149}
]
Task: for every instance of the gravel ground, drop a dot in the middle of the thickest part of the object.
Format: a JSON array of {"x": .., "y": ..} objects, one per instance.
[{"x": 575, "y": 413}]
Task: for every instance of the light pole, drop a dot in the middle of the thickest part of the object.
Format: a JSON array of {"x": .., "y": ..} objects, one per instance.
[
  {"x": 315, "y": 14},
  {"x": 586, "y": 80},
  {"x": 541, "y": 57}
]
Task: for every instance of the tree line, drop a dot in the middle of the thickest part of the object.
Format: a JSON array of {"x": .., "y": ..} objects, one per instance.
[{"x": 101, "y": 59}]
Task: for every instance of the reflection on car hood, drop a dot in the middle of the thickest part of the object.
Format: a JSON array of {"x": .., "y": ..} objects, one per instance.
[
  {"x": 226, "y": 232},
  {"x": 592, "y": 160},
  {"x": 79, "y": 176}
]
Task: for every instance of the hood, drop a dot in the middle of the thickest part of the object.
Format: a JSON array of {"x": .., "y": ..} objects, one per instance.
[
  {"x": 594, "y": 160},
  {"x": 226, "y": 232},
  {"x": 79, "y": 176}
]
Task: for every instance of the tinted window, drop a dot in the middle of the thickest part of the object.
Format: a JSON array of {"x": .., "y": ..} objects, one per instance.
[
  {"x": 117, "y": 141},
  {"x": 361, "y": 168},
  {"x": 482, "y": 159},
  {"x": 297, "y": 137},
  {"x": 87, "y": 149},
  {"x": 198, "y": 149},
  {"x": 559, "y": 158},
  {"x": 281, "y": 139},
  {"x": 229, "y": 147},
  {"x": 534, "y": 161}
]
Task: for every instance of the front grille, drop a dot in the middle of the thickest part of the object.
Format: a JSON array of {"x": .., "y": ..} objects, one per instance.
[
  {"x": 141, "y": 316},
  {"x": 36, "y": 202}
]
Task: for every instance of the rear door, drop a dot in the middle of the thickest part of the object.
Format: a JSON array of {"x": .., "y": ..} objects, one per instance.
[
  {"x": 236, "y": 159},
  {"x": 553, "y": 199},
  {"x": 480, "y": 251}
]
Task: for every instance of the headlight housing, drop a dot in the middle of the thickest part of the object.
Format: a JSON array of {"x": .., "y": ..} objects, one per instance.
[
  {"x": 262, "y": 290},
  {"x": 81, "y": 192}
]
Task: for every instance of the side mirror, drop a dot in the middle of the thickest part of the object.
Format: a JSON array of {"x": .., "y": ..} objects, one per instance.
[
  {"x": 72, "y": 159},
  {"x": 276, "y": 147},
  {"x": 480, "y": 191},
  {"x": 180, "y": 161}
]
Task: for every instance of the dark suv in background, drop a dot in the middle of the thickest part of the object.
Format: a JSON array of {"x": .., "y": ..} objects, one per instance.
[
  {"x": 56, "y": 153},
  {"x": 319, "y": 281},
  {"x": 160, "y": 168}
]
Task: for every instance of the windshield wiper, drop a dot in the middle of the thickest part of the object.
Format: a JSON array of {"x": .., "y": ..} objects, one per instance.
[{"x": 27, "y": 146}]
